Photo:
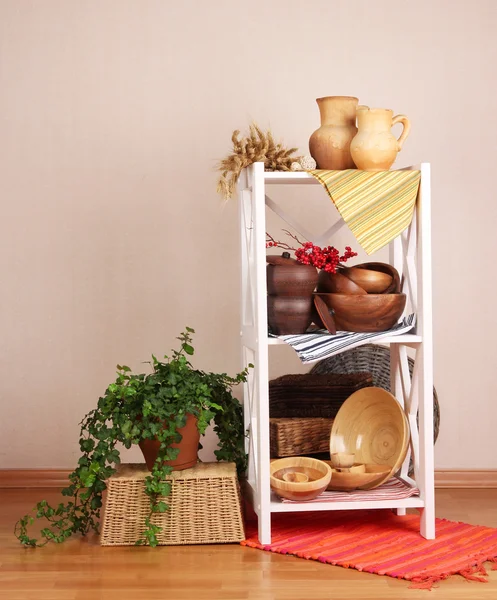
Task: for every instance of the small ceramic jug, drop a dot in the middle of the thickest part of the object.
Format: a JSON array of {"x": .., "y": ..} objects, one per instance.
[{"x": 375, "y": 148}]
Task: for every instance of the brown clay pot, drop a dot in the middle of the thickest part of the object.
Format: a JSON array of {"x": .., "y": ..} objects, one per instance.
[
  {"x": 289, "y": 314},
  {"x": 291, "y": 279},
  {"x": 188, "y": 447}
]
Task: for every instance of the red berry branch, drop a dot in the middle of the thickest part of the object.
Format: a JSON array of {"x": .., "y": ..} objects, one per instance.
[{"x": 327, "y": 258}]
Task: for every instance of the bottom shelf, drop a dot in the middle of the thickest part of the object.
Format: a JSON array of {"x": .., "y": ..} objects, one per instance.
[{"x": 394, "y": 494}]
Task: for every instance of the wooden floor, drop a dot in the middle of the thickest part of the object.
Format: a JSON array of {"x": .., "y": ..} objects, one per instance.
[{"x": 83, "y": 570}]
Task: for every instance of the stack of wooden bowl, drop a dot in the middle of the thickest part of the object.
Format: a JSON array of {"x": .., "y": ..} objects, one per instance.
[{"x": 364, "y": 298}]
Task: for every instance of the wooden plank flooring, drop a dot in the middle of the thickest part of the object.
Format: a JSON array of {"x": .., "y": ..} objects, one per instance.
[{"x": 83, "y": 570}]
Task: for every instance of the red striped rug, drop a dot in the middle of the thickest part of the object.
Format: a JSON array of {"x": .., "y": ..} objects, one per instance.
[{"x": 383, "y": 543}]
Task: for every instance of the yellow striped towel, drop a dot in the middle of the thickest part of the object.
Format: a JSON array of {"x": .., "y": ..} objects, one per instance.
[{"x": 377, "y": 206}]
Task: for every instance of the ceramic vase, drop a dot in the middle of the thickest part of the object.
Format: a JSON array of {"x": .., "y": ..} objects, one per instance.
[
  {"x": 330, "y": 144},
  {"x": 375, "y": 148}
]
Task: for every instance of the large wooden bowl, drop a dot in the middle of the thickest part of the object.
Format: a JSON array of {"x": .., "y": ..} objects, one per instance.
[
  {"x": 317, "y": 471},
  {"x": 365, "y": 313},
  {"x": 372, "y": 425},
  {"x": 356, "y": 479}
]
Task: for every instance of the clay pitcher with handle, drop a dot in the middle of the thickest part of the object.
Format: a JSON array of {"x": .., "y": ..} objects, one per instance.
[{"x": 375, "y": 148}]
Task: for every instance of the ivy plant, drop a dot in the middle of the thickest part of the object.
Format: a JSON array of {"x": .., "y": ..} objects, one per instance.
[{"x": 138, "y": 407}]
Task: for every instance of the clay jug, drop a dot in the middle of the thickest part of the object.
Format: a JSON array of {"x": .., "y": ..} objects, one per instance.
[
  {"x": 375, "y": 148},
  {"x": 330, "y": 144}
]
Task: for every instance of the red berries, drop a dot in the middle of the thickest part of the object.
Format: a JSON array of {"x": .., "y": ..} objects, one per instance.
[{"x": 327, "y": 258}]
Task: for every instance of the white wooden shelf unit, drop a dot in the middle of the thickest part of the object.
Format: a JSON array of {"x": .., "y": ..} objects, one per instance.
[{"x": 410, "y": 253}]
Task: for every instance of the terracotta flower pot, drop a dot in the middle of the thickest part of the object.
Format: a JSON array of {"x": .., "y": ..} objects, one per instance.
[{"x": 188, "y": 447}]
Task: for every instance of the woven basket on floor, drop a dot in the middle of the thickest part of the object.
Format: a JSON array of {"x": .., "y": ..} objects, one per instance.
[
  {"x": 204, "y": 507},
  {"x": 373, "y": 359},
  {"x": 313, "y": 395},
  {"x": 295, "y": 437}
]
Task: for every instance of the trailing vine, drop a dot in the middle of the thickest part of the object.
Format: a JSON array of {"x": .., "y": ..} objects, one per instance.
[{"x": 133, "y": 408}]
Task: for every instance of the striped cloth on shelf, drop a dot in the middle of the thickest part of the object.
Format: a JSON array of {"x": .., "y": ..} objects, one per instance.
[
  {"x": 393, "y": 489},
  {"x": 320, "y": 344},
  {"x": 376, "y": 206}
]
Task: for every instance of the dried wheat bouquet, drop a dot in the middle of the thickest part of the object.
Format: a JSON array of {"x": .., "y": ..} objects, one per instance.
[{"x": 259, "y": 146}]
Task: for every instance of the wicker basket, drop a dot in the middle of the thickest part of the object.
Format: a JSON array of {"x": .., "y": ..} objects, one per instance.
[
  {"x": 373, "y": 359},
  {"x": 313, "y": 395},
  {"x": 204, "y": 507},
  {"x": 296, "y": 437}
]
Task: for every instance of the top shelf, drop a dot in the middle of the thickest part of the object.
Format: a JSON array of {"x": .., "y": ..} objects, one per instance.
[
  {"x": 288, "y": 178},
  {"x": 302, "y": 177}
]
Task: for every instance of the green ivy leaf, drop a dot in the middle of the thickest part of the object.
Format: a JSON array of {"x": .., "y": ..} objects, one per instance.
[{"x": 188, "y": 349}]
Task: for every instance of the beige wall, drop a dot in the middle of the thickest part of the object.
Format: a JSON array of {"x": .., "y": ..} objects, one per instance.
[{"x": 112, "y": 116}]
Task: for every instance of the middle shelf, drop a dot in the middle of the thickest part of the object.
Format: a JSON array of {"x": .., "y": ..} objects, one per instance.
[{"x": 406, "y": 340}]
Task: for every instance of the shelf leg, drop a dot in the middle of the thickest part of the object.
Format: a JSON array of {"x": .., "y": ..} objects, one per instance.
[
  {"x": 426, "y": 472},
  {"x": 264, "y": 527},
  {"x": 401, "y": 512}
]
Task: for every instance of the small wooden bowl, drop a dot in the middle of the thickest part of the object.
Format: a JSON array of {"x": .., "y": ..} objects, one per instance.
[
  {"x": 372, "y": 425},
  {"x": 356, "y": 479},
  {"x": 338, "y": 283},
  {"x": 373, "y": 282},
  {"x": 342, "y": 460},
  {"x": 379, "y": 268},
  {"x": 318, "y": 472},
  {"x": 295, "y": 477},
  {"x": 365, "y": 314}
]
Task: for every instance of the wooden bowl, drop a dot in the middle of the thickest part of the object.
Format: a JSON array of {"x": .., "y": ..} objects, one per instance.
[
  {"x": 365, "y": 314},
  {"x": 373, "y": 282},
  {"x": 372, "y": 425},
  {"x": 374, "y": 277},
  {"x": 318, "y": 472},
  {"x": 342, "y": 459},
  {"x": 357, "y": 478},
  {"x": 337, "y": 283}
]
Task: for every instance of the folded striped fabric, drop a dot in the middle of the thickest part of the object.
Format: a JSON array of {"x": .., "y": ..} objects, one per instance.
[
  {"x": 320, "y": 344},
  {"x": 393, "y": 489},
  {"x": 377, "y": 206}
]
